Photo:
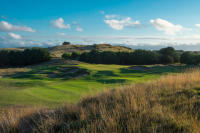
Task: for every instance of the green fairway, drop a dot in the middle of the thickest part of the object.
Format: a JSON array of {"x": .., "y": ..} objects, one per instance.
[{"x": 52, "y": 85}]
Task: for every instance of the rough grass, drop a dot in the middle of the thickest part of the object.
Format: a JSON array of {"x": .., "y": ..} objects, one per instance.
[
  {"x": 57, "y": 51},
  {"x": 52, "y": 83},
  {"x": 169, "y": 104}
]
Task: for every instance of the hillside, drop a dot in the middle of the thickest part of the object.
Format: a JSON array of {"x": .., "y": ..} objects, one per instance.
[
  {"x": 57, "y": 51},
  {"x": 12, "y": 49},
  {"x": 168, "y": 105}
]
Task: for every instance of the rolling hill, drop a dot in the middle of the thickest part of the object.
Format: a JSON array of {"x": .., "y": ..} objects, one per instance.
[{"x": 57, "y": 51}]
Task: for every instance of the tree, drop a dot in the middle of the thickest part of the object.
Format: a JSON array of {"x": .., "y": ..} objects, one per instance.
[
  {"x": 66, "y": 43},
  {"x": 26, "y": 57},
  {"x": 167, "y": 51},
  {"x": 168, "y": 55},
  {"x": 166, "y": 59},
  {"x": 4, "y": 60},
  {"x": 144, "y": 57},
  {"x": 138, "y": 57},
  {"x": 189, "y": 58}
]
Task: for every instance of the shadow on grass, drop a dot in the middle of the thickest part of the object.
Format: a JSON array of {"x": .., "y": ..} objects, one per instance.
[
  {"x": 19, "y": 85},
  {"x": 104, "y": 73},
  {"x": 111, "y": 81},
  {"x": 52, "y": 72},
  {"x": 155, "y": 69}
]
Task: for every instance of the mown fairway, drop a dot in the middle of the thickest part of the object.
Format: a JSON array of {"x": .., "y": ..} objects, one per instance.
[{"x": 54, "y": 84}]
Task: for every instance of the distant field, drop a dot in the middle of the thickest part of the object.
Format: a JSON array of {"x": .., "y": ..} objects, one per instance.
[{"x": 54, "y": 84}]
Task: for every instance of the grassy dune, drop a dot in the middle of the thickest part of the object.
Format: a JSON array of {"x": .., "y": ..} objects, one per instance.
[
  {"x": 168, "y": 104},
  {"x": 57, "y": 51},
  {"x": 52, "y": 84}
]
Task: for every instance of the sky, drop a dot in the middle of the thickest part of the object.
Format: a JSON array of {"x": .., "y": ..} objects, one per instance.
[{"x": 139, "y": 23}]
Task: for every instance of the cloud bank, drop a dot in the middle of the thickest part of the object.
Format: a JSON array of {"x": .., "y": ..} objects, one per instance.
[
  {"x": 116, "y": 23},
  {"x": 166, "y": 26},
  {"x": 7, "y": 27},
  {"x": 14, "y": 36}
]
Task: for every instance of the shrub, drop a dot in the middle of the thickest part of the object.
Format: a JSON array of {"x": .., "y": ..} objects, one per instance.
[
  {"x": 26, "y": 57},
  {"x": 138, "y": 57},
  {"x": 153, "y": 107},
  {"x": 144, "y": 57},
  {"x": 190, "y": 58},
  {"x": 75, "y": 55},
  {"x": 169, "y": 55},
  {"x": 66, "y": 43},
  {"x": 67, "y": 56}
]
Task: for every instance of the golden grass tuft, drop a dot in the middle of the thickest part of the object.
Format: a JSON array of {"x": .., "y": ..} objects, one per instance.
[{"x": 169, "y": 104}]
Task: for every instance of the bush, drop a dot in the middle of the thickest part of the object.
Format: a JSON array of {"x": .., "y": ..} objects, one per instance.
[
  {"x": 75, "y": 55},
  {"x": 4, "y": 60},
  {"x": 190, "y": 58},
  {"x": 144, "y": 57},
  {"x": 36, "y": 55},
  {"x": 166, "y": 59},
  {"x": 66, "y": 43},
  {"x": 67, "y": 56},
  {"x": 26, "y": 57},
  {"x": 169, "y": 55},
  {"x": 139, "y": 57}
]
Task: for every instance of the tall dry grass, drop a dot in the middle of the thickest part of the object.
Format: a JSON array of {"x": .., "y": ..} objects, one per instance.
[{"x": 167, "y": 105}]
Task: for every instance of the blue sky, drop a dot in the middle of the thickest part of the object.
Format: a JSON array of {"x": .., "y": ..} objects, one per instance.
[{"x": 132, "y": 22}]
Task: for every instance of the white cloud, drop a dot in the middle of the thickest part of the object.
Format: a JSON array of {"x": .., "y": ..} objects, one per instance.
[
  {"x": 197, "y": 25},
  {"x": 14, "y": 36},
  {"x": 7, "y": 42},
  {"x": 59, "y": 23},
  {"x": 102, "y": 12},
  {"x": 5, "y": 27},
  {"x": 79, "y": 29},
  {"x": 61, "y": 34},
  {"x": 167, "y": 27},
  {"x": 74, "y": 22},
  {"x": 120, "y": 24},
  {"x": 3, "y": 17},
  {"x": 147, "y": 42},
  {"x": 111, "y": 16}
]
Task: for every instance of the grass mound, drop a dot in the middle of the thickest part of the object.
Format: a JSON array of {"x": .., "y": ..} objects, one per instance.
[
  {"x": 57, "y": 51},
  {"x": 68, "y": 72},
  {"x": 169, "y": 104}
]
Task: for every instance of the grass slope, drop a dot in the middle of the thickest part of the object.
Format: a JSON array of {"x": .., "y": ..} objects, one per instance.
[
  {"x": 167, "y": 105},
  {"x": 57, "y": 51},
  {"x": 35, "y": 86}
]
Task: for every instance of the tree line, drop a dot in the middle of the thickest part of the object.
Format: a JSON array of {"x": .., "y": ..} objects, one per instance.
[
  {"x": 190, "y": 58},
  {"x": 138, "y": 57},
  {"x": 25, "y": 57}
]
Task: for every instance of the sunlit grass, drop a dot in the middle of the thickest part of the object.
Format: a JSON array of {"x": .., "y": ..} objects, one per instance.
[
  {"x": 34, "y": 87},
  {"x": 168, "y": 104}
]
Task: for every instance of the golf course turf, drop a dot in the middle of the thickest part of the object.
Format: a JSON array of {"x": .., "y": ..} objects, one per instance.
[{"x": 52, "y": 85}]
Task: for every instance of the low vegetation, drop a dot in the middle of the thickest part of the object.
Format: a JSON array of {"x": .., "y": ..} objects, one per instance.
[
  {"x": 138, "y": 57},
  {"x": 57, "y": 81},
  {"x": 190, "y": 58},
  {"x": 120, "y": 91},
  {"x": 169, "y": 104},
  {"x": 23, "y": 57},
  {"x": 58, "y": 51}
]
